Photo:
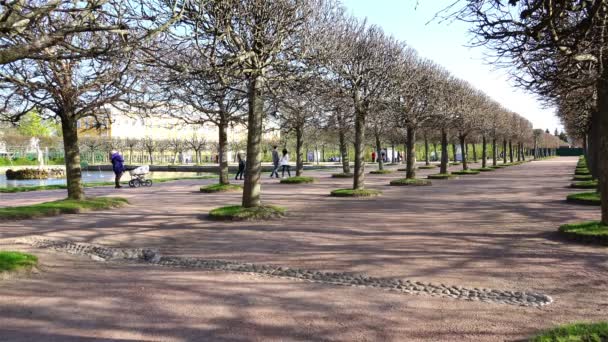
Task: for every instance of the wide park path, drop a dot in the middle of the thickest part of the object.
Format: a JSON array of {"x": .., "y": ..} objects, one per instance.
[{"x": 493, "y": 230}]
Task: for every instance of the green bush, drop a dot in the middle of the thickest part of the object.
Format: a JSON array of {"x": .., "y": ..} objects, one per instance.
[
  {"x": 411, "y": 181},
  {"x": 239, "y": 213},
  {"x": 355, "y": 193},
  {"x": 577, "y": 332}
]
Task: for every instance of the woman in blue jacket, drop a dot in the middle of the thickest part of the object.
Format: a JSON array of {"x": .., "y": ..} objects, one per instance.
[{"x": 118, "y": 167}]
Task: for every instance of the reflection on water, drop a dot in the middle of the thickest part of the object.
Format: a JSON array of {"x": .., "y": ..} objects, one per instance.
[{"x": 93, "y": 176}]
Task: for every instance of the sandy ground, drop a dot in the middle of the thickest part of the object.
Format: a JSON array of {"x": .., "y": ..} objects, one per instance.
[{"x": 494, "y": 230}]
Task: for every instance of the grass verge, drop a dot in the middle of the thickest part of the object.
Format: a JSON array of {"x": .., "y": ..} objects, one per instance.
[
  {"x": 427, "y": 167},
  {"x": 466, "y": 172},
  {"x": 441, "y": 176},
  {"x": 66, "y": 206},
  {"x": 221, "y": 188},
  {"x": 582, "y": 172},
  {"x": 577, "y": 332},
  {"x": 411, "y": 181},
  {"x": 342, "y": 175},
  {"x": 591, "y": 232},
  {"x": 589, "y": 184},
  {"x": 12, "y": 261},
  {"x": 239, "y": 213},
  {"x": 455, "y": 163},
  {"x": 588, "y": 198},
  {"x": 582, "y": 177},
  {"x": 298, "y": 180},
  {"x": 484, "y": 169},
  {"x": 355, "y": 193}
]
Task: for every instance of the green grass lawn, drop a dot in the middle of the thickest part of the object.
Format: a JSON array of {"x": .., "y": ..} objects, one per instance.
[
  {"x": 297, "y": 180},
  {"x": 221, "y": 188},
  {"x": 355, "y": 193},
  {"x": 592, "y": 198},
  {"x": 582, "y": 177},
  {"x": 427, "y": 167},
  {"x": 11, "y": 261},
  {"x": 577, "y": 332},
  {"x": 484, "y": 169},
  {"x": 66, "y": 206},
  {"x": 239, "y": 213},
  {"x": 342, "y": 175},
  {"x": 589, "y": 228},
  {"x": 411, "y": 181},
  {"x": 589, "y": 184}
]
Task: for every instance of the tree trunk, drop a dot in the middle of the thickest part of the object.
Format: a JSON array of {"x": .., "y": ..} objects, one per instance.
[
  {"x": 511, "y": 151},
  {"x": 131, "y": 155},
  {"x": 454, "y": 152},
  {"x": 392, "y": 152},
  {"x": 359, "y": 176},
  {"x": 484, "y": 152},
  {"x": 463, "y": 147},
  {"x": 494, "y": 147},
  {"x": 222, "y": 153},
  {"x": 344, "y": 152},
  {"x": 379, "y": 151},
  {"x": 601, "y": 145},
  {"x": 252, "y": 188},
  {"x": 73, "y": 172},
  {"x": 411, "y": 153},
  {"x": 151, "y": 159},
  {"x": 299, "y": 143},
  {"x": 444, "y": 152},
  {"x": 474, "y": 153},
  {"x": 504, "y": 149},
  {"x": 435, "y": 149},
  {"x": 426, "y": 150}
]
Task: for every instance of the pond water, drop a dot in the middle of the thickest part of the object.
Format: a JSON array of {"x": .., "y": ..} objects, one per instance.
[{"x": 93, "y": 177}]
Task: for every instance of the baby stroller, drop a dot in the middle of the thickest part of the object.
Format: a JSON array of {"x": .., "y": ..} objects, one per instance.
[{"x": 138, "y": 177}]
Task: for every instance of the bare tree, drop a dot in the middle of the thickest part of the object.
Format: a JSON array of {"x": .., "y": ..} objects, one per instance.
[{"x": 197, "y": 144}]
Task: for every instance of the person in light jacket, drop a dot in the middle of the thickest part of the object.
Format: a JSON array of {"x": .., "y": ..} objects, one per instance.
[
  {"x": 284, "y": 163},
  {"x": 275, "y": 162}
]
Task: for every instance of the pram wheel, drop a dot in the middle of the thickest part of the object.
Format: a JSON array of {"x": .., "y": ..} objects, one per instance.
[
  {"x": 131, "y": 184},
  {"x": 148, "y": 182},
  {"x": 134, "y": 183}
]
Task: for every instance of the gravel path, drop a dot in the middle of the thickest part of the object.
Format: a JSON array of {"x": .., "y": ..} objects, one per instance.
[{"x": 495, "y": 230}]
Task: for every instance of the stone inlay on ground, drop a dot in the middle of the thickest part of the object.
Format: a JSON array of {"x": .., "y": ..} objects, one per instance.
[{"x": 153, "y": 257}]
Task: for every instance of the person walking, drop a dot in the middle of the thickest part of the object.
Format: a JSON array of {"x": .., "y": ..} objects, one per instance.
[
  {"x": 284, "y": 163},
  {"x": 241, "y": 171},
  {"x": 275, "y": 162},
  {"x": 118, "y": 167},
  {"x": 373, "y": 156}
]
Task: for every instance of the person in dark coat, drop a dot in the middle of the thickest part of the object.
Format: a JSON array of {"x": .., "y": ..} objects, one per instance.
[
  {"x": 241, "y": 171},
  {"x": 275, "y": 162},
  {"x": 118, "y": 167}
]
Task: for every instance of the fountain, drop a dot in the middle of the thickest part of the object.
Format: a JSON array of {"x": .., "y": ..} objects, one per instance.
[{"x": 40, "y": 172}]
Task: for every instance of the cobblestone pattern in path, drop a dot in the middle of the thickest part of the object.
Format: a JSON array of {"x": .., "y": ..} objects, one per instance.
[{"x": 153, "y": 257}]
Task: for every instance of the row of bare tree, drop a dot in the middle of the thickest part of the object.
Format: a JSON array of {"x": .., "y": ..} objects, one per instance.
[
  {"x": 556, "y": 49},
  {"x": 299, "y": 63}
]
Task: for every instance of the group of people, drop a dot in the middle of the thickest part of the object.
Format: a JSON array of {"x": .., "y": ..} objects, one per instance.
[
  {"x": 384, "y": 156},
  {"x": 278, "y": 162}
]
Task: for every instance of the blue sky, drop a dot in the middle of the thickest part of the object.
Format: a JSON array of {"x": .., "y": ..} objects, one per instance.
[{"x": 445, "y": 43}]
